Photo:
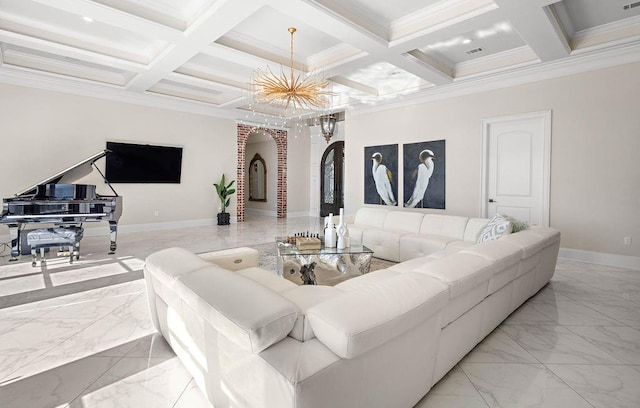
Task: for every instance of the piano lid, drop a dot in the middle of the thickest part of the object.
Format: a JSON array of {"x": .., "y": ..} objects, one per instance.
[{"x": 73, "y": 173}]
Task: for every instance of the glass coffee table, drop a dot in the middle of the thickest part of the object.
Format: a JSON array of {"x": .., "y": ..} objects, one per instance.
[{"x": 325, "y": 266}]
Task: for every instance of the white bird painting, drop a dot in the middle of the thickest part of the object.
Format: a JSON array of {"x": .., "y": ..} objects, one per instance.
[
  {"x": 382, "y": 177},
  {"x": 422, "y": 174}
]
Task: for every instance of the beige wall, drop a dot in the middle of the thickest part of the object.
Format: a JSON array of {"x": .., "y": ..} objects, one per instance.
[
  {"x": 298, "y": 164},
  {"x": 595, "y": 164},
  {"x": 44, "y": 132}
]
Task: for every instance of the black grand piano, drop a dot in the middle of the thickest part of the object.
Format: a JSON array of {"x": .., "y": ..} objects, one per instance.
[{"x": 55, "y": 201}]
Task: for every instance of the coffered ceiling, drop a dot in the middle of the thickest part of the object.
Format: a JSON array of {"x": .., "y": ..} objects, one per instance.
[{"x": 198, "y": 55}]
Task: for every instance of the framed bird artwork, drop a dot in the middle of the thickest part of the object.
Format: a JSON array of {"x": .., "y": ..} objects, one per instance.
[
  {"x": 424, "y": 174},
  {"x": 381, "y": 175}
]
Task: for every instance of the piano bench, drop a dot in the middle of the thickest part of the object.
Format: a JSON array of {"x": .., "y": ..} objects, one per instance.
[{"x": 42, "y": 238}]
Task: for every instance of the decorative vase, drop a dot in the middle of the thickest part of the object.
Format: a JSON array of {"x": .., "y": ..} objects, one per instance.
[
  {"x": 341, "y": 231},
  {"x": 329, "y": 232},
  {"x": 224, "y": 218}
]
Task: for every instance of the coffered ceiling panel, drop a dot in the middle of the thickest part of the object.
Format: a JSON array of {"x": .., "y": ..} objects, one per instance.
[
  {"x": 176, "y": 14},
  {"x": 37, "y": 20},
  {"x": 265, "y": 34},
  {"x": 199, "y": 55}
]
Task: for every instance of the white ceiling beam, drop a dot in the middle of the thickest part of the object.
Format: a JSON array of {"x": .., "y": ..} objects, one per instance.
[
  {"x": 420, "y": 68},
  {"x": 538, "y": 27},
  {"x": 222, "y": 17},
  {"x": 355, "y": 85}
]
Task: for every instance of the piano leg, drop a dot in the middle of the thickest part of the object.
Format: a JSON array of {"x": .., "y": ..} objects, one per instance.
[
  {"x": 14, "y": 233},
  {"x": 113, "y": 228}
]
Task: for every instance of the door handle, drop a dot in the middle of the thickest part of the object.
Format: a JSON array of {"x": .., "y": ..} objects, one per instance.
[{"x": 491, "y": 200}]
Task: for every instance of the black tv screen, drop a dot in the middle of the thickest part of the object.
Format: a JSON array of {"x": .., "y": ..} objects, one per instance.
[{"x": 137, "y": 163}]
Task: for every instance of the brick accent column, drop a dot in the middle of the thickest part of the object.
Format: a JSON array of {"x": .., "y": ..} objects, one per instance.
[{"x": 280, "y": 137}]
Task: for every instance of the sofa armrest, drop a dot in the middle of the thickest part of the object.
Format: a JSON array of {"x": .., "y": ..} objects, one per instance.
[
  {"x": 367, "y": 317},
  {"x": 233, "y": 259}
]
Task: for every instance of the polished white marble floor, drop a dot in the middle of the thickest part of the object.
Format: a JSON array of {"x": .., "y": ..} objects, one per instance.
[{"x": 80, "y": 335}]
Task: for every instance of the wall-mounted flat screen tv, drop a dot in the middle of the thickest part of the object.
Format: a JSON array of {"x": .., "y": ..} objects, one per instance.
[{"x": 138, "y": 163}]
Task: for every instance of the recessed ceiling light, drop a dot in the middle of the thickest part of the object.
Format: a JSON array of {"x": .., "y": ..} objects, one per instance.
[
  {"x": 87, "y": 19},
  {"x": 467, "y": 41}
]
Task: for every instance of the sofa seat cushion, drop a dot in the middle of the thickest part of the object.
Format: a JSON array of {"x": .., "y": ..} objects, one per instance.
[
  {"x": 304, "y": 297},
  {"x": 548, "y": 235},
  {"x": 267, "y": 279},
  {"x": 418, "y": 245},
  {"x": 467, "y": 277},
  {"x": 356, "y": 231},
  {"x": 460, "y": 245},
  {"x": 505, "y": 257},
  {"x": 246, "y": 312},
  {"x": 528, "y": 241},
  {"x": 451, "y": 226},
  {"x": 384, "y": 244},
  {"x": 367, "y": 279},
  {"x": 363, "y": 319}
]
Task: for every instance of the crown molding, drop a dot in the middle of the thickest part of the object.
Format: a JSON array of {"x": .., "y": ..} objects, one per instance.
[
  {"x": 574, "y": 64},
  {"x": 59, "y": 83}
]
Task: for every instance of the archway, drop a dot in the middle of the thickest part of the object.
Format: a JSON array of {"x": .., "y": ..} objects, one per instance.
[{"x": 280, "y": 137}]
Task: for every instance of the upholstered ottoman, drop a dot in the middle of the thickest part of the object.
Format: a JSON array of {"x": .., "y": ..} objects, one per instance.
[{"x": 42, "y": 238}]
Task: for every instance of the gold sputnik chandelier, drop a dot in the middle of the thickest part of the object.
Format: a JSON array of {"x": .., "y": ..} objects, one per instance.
[{"x": 289, "y": 89}]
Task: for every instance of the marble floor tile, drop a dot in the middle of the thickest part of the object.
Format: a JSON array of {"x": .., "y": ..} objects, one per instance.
[
  {"x": 453, "y": 390},
  {"x": 497, "y": 347},
  {"x": 152, "y": 346},
  {"x": 571, "y": 313},
  {"x": 192, "y": 397},
  {"x": 104, "y": 334},
  {"x": 39, "y": 335},
  {"x": 603, "y": 386},
  {"x": 620, "y": 342},
  {"x": 623, "y": 311},
  {"x": 526, "y": 314},
  {"x": 521, "y": 385},
  {"x": 580, "y": 291},
  {"x": 556, "y": 344},
  {"x": 56, "y": 387},
  {"x": 137, "y": 382}
]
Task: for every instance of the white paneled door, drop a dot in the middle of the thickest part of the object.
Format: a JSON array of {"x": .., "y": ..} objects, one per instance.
[{"x": 516, "y": 167}]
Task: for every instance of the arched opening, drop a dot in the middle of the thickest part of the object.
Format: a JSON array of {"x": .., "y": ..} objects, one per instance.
[{"x": 280, "y": 137}]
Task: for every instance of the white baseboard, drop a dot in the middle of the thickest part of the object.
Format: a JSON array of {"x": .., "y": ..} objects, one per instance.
[
  {"x": 302, "y": 214},
  {"x": 600, "y": 258}
]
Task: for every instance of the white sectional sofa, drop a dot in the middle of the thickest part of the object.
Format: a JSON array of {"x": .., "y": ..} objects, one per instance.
[
  {"x": 253, "y": 339},
  {"x": 401, "y": 235}
]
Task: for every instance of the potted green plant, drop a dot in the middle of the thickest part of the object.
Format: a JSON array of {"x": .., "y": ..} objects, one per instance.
[{"x": 224, "y": 191}]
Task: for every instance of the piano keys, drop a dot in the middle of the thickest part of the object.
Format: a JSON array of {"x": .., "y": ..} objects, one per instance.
[{"x": 56, "y": 201}]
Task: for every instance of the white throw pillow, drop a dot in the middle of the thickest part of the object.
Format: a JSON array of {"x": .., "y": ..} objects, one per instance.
[{"x": 497, "y": 227}]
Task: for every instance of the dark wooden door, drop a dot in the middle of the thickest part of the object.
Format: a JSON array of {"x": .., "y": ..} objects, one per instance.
[{"x": 332, "y": 179}]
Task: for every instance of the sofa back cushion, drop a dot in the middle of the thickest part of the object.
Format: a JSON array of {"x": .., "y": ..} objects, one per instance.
[
  {"x": 305, "y": 297},
  {"x": 249, "y": 314},
  {"x": 474, "y": 226},
  {"x": 448, "y": 225},
  {"x": 403, "y": 221},
  {"x": 372, "y": 217},
  {"x": 244, "y": 311},
  {"x": 369, "y": 316}
]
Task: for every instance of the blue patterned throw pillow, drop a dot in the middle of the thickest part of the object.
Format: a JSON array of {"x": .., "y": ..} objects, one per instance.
[{"x": 497, "y": 227}]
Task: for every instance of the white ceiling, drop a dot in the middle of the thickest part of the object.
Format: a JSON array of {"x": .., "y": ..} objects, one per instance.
[{"x": 198, "y": 55}]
